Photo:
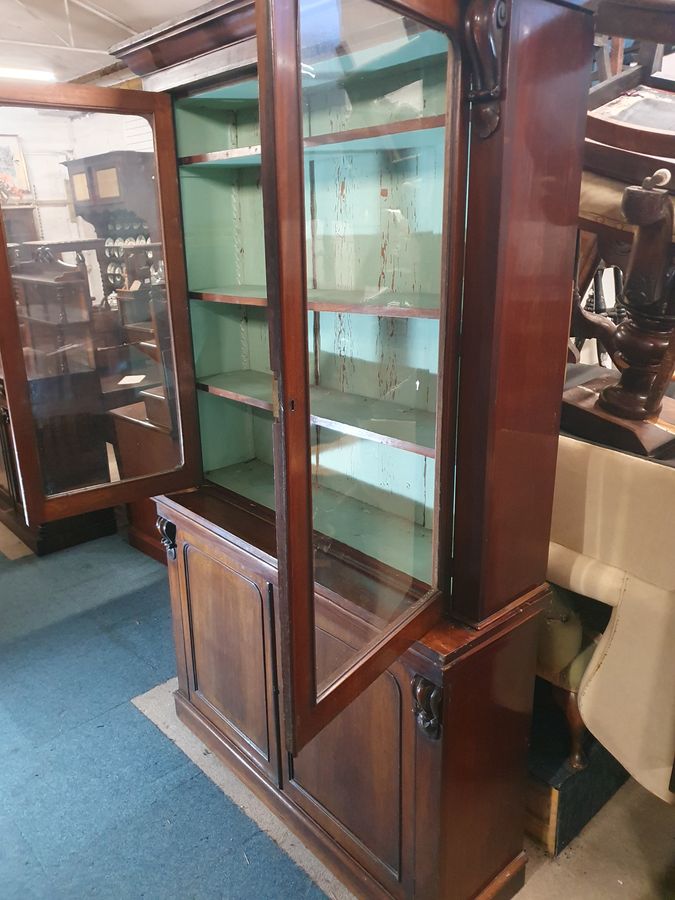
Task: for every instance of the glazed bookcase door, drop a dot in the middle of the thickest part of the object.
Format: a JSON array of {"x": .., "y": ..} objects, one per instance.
[
  {"x": 362, "y": 149},
  {"x": 95, "y": 339}
]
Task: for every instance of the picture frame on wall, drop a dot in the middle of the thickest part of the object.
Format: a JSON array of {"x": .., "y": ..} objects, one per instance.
[{"x": 14, "y": 183}]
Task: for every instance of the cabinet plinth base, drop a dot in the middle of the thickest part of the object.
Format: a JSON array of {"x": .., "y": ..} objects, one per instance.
[
  {"x": 509, "y": 881},
  {"x": 52, "y": 536}
]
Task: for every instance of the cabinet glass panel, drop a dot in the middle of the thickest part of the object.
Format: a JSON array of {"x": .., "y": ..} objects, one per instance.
[
  {"x": 81, "y": 214},
  {"x": 373, "y": 86},
  {"x": 218, "y": 139}
]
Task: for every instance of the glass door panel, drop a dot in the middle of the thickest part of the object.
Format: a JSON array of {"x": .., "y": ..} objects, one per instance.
[
  {"x": 94, "y": 350},
  {"x": 373, "y": 94}
]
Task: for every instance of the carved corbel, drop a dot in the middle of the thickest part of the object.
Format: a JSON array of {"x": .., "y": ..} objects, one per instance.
[
  {"x": 427, "y": 706},
  {"x": 484, "y": 28},
  {"x": 167, "y": 531}
]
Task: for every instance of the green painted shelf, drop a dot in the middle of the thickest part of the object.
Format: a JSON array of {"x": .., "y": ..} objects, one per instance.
[
  {"x": 383, "y": 302},
  {"x": 245, "y": 386},
  {"x": 375, "y": 303},
  {"x": 410, "y": 133},
  {"x": 383, "y": 421},
  {"x": 236, "y": 156},
  {"x": 241, "y": 294},
  {"x": 383, "y": 536}
]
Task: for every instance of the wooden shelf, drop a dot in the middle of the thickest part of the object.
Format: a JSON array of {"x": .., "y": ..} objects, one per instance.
[
  {"x": 383, "y": 421},
  {"x": 237, "y": 156},
  {"x": 355, "y": 140},
  {"x": 244, "y": 295},
  {"x": 426, "y": 131},
  {"x": 152, "y": 377},
  {"x": 381, "y": 303},
  {"x": 383, "y": 536},
  {"x": 245, "y": 386},
  {"x": 136, "y": 412}
]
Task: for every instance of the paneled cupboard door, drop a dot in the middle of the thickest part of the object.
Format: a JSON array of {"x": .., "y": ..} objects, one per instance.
[
  {"x": 95, "y": 339},
  {"x": 363, "y": 149}
]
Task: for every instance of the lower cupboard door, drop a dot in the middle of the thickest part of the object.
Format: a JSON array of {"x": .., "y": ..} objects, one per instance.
[
  {"x": 230, "y": 676},
  {"x": 352, "y": 779}
]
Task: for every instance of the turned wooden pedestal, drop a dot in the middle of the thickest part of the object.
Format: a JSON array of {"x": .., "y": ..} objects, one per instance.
[{"x": 584, "y": 417}]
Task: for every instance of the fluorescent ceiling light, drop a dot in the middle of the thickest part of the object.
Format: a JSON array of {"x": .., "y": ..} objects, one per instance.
[{"x": 27, "y": 74}]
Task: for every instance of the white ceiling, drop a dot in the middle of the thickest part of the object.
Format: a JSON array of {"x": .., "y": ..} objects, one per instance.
[{"x": 70, "y": 37}]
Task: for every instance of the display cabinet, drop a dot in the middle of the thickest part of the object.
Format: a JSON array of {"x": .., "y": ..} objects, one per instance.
[{"x": 377, "y": 214}]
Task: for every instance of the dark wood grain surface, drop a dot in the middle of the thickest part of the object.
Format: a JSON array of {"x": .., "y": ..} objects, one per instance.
[
  {"x": 395, "y": 811},
  {"x": 517, "y": 300}
]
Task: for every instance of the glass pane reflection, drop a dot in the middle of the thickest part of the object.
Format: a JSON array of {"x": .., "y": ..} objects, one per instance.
[
  {"x": 374, "y": 98},
  {"x": 78, "y": 194}
]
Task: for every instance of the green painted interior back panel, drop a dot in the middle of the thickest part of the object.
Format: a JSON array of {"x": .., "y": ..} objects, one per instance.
[
  {"x": 227, "y": 338},
  {"x": 395, "y": 200},
  {"x": 217, "y": 120},
  {"x": 232, "y": 433},
  {"x": 202, "y": 127},
  {"x": 223, "y": 227},
  {"x": 379, "y": 357},
  {"x": 391, "y": 189},
  {"x": 394, "y": 94}
]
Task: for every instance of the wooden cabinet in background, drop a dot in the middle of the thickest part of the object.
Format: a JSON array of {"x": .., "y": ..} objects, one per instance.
[
  {"x": 20, "y": 223},
  {"x": 9, "y": 486}
]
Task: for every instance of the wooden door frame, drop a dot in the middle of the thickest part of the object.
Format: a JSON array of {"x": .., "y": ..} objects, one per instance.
[
  {"x": 157, "y": 109},
  {"x": 282, "y": 143}
]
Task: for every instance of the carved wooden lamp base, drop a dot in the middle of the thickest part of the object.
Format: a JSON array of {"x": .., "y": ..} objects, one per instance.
[{"x": 583, "y": 417}]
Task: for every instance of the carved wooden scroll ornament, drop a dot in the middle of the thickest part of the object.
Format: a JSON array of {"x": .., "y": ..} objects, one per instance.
[{"x": 484, "y": 28}]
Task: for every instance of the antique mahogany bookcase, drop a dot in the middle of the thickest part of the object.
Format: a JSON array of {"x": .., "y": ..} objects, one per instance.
[{"x": 377, "y": 204}]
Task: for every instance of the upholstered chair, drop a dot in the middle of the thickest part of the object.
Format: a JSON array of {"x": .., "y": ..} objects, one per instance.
[{"x": 613, "y": 540}]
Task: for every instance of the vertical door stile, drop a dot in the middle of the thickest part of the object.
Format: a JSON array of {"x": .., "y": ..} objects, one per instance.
[{"x": 281, "y": 140}]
